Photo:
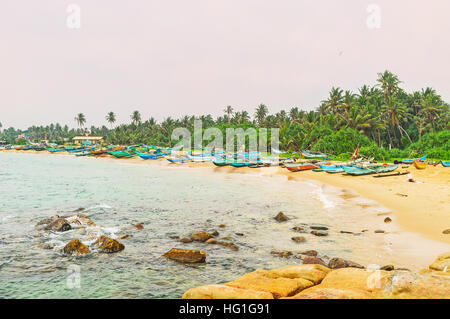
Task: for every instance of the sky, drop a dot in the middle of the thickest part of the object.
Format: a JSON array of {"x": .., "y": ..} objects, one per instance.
[{"x": 178, "y": 57}]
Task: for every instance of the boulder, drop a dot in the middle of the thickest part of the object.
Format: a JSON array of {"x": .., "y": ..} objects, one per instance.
[
  {"x": 201, "y": 236},
  {"x": 354, "y": 278},
  {"x": 319, "y": 233},
  {"x": 174, "y": 237},
  {"x": 312, "y": 272},
  {"x": 318, "y": 227},
  {"x": 225, "y": 292},
  {"x": 387, "y": 220},
  {"x": 299, "y": 239},
  {"x": 388, "y": 267},
  {"x": 446, "y": 232},
  {"x": 186, "y": 240},
  {"x": 222, "y": 225},
  {"x": 211, "y": 241},
  {"x": 442, "y": 263},
  {"x": 59, "y": 224},
  {"x": 310, "y": 253},
  {"x": 336, "y": 263},
  {"x": 186, "y": 255},
  {"x": 109, "y": 245},
  {"x": 46, "y": 221},
  {"x": 299, "y": 229},
  {"x": 313, "y": 260},
  {"x": 264, "y": 280},
  {"x": 227, "y": 244},
  {"x": 76, "y": 247},
  {"x": 139, "y": 226},
  {"x": 215, "y": 233},
  {"x": 124, "y": 236},
  {"x": 80, "y": 219},
  {"x": 281, "y": 217},
  {"x": 282, "y": 253}
]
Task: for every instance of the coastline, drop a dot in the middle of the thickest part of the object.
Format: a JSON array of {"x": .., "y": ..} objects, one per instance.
[{"x": 415, "y": 233}]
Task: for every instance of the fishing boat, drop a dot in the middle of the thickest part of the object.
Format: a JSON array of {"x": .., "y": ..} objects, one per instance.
[
  {"x": 445, "y": 163},
  {"x": 420, "y": 164},
  {"x": 301, "y": 167},
  {"x": 410, "y": 161},
  {"x": 179, "y": 160},
  {"x": 309, "y": 154},
  {"x": 334, "y": 170},
  {"x": 371, "y": 169}
]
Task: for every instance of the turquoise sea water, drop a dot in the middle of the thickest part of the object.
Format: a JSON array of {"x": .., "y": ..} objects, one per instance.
[{"x": 168, "y": 201}]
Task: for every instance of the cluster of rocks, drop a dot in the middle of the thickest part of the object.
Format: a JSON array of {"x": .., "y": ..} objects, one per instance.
[
  {"x": 344, "y": 282},
  {"x": 75, "y": 246}
]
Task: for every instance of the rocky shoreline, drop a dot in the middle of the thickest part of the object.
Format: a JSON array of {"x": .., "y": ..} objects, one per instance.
[{"x": 315, "y": 281}]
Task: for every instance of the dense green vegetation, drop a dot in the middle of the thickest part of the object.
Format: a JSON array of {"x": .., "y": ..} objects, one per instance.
[{"x": 384, "y": 120}]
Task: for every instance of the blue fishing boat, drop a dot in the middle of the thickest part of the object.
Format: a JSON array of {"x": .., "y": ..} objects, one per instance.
[
  {"x": 410, "y": 161},
  {"x": 445, "y": 163}
]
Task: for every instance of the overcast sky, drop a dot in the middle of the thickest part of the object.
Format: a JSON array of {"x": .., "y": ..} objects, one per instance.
[{"x": 171, "y": 58}]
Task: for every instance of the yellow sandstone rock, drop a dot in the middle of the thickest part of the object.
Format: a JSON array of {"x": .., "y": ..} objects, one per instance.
[
  {"x": 263, "y": 280},
  {"x": 356, "y": 278},
  {"x": 442, "y": 263},
  {"x": 225, "y": 292},
  {"x": 314, "y": 273}
]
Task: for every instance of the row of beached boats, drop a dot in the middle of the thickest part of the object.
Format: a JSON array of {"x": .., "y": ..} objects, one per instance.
[{"x": 318, "y": 161}]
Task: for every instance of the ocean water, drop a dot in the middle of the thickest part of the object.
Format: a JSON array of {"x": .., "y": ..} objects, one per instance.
[{"x": 167, "y": 201}]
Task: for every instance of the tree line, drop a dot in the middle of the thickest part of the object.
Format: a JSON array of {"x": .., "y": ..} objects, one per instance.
[{"x": 383, "y": 119}]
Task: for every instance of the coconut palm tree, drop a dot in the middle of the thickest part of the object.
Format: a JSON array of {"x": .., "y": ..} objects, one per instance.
[
  {"x": 136, "y": 117},
  {"x": 334, "y": 100},
  {"x": 229, "y": 112},
  {"x": 111, "y": 118},
  {"x": 389, "y": 83},
  {"x": 80, "y": 119},
  {"x": 261, "y": 113}
]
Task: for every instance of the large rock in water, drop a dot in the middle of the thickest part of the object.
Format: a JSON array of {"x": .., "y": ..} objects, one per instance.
[
  {"x": 109, "y": 245},
  {"x": 281, "y": 217},
  {"x": 59, "y": 224},
  {"x": 225, "y": 292},
  {"x": 47, "y": 221},
  {"x": 201, "y": 236},
  {"x": 76, "y": 247},
  {"x": 80, "y": 219},
  {"x": 186, "y": 255}
]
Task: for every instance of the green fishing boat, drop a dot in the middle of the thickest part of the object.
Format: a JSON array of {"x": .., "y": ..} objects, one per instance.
[{"x": 373, "y": 169}]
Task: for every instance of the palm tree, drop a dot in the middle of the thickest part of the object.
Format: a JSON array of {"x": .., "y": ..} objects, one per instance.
[
  {"x": 430, "y": 108},
  {"x": 334, "y": 100},
  {"x": 229, "y": 112},
  {"x": 388, "y": 82},
  {"x": 111, "y": 118},
  {"x": 261, "y": 113},
  {"x": 80, "y": 119},
  {"x": 136, "y": 117}
]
